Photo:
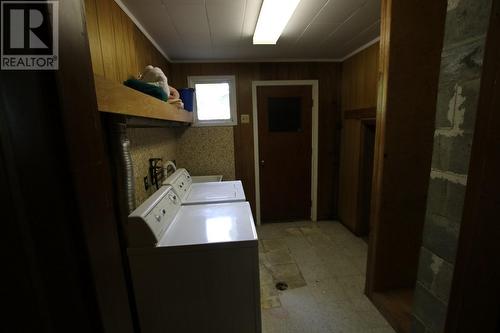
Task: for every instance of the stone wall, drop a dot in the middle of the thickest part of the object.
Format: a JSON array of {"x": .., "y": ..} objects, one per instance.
[{"x": 461, "y": 65}]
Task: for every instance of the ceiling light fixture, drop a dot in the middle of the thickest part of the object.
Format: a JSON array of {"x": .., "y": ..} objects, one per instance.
[{"x": 273, "y": 17}]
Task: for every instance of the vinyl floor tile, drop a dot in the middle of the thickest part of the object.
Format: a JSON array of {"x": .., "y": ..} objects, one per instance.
[{"x": 324, "y": 266}]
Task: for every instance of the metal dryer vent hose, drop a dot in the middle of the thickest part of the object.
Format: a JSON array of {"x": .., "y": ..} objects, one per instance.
[{"x": 127, "y": 169}]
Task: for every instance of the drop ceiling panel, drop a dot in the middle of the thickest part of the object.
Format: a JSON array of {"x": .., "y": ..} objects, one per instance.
[
  {"x": 364, "y": 37},
  {"x": 252, "y": 9},
  {"x": 363, "y": 19},
  {"x": 188, "y": 30},
  {"x": 190, "y": 21},
  {"x": 369, "y": 12},
  {"x": 180, "y": 2},
  {"x": 316, "y": 34},
  {"x": 302, "y": 17},
  {"x": 246, "y": 53},
  {"x": 191, "y": 52},
  {"x": 338, "y": 10},
  {"x": 266, "y": 52},
  {"x": 157, "y": 22},
  {"x": 226, "y": 22}
]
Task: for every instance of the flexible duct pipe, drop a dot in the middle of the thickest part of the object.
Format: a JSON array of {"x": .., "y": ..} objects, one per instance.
[{"x": 127, "y": 168}]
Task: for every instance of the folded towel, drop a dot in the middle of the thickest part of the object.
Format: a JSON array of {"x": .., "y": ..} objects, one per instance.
[
  {"x": 156, "y": 76},
  {"x": 150, "y": 89}
]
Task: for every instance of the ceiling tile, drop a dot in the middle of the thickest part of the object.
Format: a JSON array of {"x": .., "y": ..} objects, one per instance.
[
  {"x": 363, "y": 19},
  {"x": 191, "y": 52},
  {"x": 263, "y": 52},
  {"x": 364, "y": 37},
  {"x": 156, "y": 22},
  {"x": 181, "y": 2},
  {"x": 223, "y": 29},
  {"x": 340, "y": 51},
  {"x": 302, "y": 17},
  {"x": 316, "y": 34},
  {"x": 225, "y": 19},
  {"x": 252, "y": 10},
  {"x": 337, "y": 11},
  {"x": 190, "y": 20}
]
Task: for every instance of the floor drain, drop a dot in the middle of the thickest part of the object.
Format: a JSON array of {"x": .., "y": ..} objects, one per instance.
[{"x": 281, "y": 286}]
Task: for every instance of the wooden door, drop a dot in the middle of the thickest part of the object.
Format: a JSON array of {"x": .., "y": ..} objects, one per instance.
[{"x": 284, "y": 123}]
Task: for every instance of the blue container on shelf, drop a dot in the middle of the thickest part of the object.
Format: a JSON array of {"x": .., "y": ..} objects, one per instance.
[{"x": 187, "y": 97}]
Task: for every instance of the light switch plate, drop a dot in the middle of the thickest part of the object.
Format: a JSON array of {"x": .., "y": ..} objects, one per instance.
[{"x": 245, "y": 118}]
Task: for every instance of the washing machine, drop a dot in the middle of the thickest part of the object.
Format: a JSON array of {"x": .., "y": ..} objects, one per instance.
[
  {"x": 195, "y": 268},
  {"x": 209, "y": 192}
]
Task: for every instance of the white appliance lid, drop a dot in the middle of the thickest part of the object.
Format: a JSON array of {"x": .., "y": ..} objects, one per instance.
[
  {"x": 211, "y": 223},
  {"x": 215, "y": 192}
]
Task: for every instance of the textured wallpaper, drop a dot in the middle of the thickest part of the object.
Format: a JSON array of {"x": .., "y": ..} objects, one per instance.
[
  {"x": 146, "y": 143},
  {"x": 201, "y": 150},
  {"x": 207, "y": 151}
]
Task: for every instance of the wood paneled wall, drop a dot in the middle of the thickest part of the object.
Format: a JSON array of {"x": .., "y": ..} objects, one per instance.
[
  {"x": 120, "y": 50},
  {"x": 408, "y": 81},
  {"x": 359, "y": 79},
  {"x": 328, "y": 75},
  {"x": 359, "y": 92},
  {"x": 117, "y": 47}
]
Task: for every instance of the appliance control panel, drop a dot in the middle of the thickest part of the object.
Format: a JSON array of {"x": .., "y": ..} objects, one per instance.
[
  {"x": 182, "y": 182},
  {"x": 163, "y": 213}
]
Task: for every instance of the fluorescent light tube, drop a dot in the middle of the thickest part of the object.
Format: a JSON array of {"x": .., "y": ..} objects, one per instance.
[{"x": 273, "y": 17}]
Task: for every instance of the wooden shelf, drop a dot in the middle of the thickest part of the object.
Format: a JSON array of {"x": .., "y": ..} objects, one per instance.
[
  {"x": 366, "y": 113},
  {"x": 114, "y": 97}
]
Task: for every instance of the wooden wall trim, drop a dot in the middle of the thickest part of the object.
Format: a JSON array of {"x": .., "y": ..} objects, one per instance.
[
  {"x": 366, "y": 113},
  {"x": 90, "y": 170},
  {"x": 378, "y": 156},
  {"x": 399, "y": 186}
]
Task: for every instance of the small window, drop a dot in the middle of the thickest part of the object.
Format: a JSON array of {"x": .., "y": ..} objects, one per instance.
[{"x": 215, "y": 100}]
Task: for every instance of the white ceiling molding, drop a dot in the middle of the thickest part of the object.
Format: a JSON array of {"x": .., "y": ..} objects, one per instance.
[
  {"x": 141, "y": 28},
  {"x": 358, "y": 50},
  {"x": 197, "y": 61},
  {"x": 367, "y": 45}
]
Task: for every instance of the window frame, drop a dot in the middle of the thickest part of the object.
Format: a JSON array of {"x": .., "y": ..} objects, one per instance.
[{"x": 231, "y": 80}]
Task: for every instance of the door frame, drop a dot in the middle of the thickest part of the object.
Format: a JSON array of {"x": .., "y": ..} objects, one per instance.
[{"x": 314, "y": 140}]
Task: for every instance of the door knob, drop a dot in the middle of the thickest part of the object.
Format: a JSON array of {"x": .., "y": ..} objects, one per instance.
[{"x": 262, "y": 162}]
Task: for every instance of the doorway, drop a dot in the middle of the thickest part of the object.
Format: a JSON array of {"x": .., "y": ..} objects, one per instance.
[
  {"x": 367, "y": 152},
  {"x": 285, "y": 141}
]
